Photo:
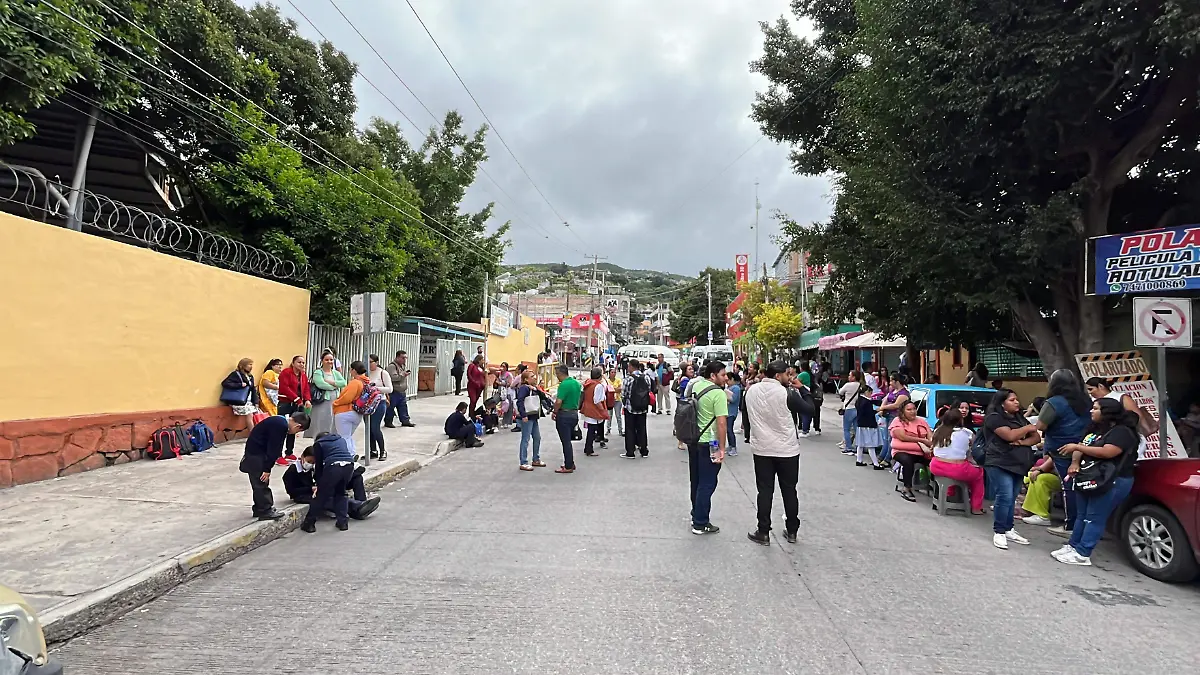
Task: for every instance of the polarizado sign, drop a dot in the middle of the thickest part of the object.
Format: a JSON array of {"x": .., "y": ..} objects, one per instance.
[
  {"x": 1146, "y": 262},
  {"x": 1128, "y": 373}
]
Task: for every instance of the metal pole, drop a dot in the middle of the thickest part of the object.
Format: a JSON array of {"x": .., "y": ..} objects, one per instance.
[
  {"x": 366, "y": 362},
  {"x": 1164, "y": 439},
  {"x": 757, "y": 206},
  {"x": 708, "y": 290},
  {"x": 81, "y": 162}
]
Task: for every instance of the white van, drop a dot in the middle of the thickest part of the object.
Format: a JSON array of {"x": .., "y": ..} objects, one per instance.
[
  {"x": 722, "y": 353},
  {"x": 649, "y": 353}
]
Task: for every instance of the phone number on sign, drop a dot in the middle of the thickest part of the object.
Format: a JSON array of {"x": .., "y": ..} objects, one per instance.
[{"x": 1144, "y": 286}]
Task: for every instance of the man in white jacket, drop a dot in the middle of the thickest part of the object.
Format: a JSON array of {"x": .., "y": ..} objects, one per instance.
[{"x": 776, "y": 451}]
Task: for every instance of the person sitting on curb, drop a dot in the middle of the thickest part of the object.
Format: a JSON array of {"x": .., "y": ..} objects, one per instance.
[
  {"x": 301, "y": 485},
  {"x": 333, "y": 467},
  {"x": 263, "y": 446},
  {"x": 460, "y": 428}
]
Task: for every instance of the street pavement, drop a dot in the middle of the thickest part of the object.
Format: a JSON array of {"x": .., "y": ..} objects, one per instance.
[{"x": 471, "y": 566}]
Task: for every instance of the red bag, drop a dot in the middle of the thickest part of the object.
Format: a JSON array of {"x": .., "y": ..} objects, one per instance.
[
  {"x": 610, "y": 399},
  {"x": 652, "y": 399},
  {"x": 259, "y": 417}
]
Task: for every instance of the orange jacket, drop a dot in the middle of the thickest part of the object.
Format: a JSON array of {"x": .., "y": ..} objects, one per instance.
[{"x": 352, "y": 390}]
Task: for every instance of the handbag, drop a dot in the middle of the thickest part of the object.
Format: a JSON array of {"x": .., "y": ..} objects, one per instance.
[
  {"x": 318, "y": 395},
  {"x": 236, "y": 395},
  {"x": 533, "y": 406},
  {"x": 576, "y": 434}
]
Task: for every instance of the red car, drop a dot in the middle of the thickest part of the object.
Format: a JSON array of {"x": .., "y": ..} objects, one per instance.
[{"x": 1159, "y": 524}]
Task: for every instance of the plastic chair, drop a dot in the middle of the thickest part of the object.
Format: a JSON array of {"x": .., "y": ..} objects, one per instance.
[{"x": 941, "y": 486}]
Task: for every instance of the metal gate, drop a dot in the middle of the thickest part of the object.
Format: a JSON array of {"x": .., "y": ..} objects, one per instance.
[{"x": 351, "y": 348}]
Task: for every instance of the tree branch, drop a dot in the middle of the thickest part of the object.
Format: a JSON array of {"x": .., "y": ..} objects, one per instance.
[{"x": 1179, "y": 92}]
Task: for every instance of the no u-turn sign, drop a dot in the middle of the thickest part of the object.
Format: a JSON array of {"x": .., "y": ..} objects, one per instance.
[{"x": 1162, "y": 322}]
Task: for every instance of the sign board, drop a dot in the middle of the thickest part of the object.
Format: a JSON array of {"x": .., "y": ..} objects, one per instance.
[
  {"x": 1146, "y": 262},
  {"x": 360, "y": 322},
  {"x": 612, "y": 305},
  {"x": 1162, "y": 322},
  {"x": 1129, "y": 374},
  {"x": 710, "y": 334},
  {"x": 500, "y": 322},
  {"x": 429, "y": 354},
  {"x": 593, "y": 289},
  {"x": 742, "y": 266}
]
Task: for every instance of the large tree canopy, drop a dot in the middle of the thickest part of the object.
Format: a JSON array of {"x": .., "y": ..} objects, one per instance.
[
  {"x": 689, "y": 313},
  {"x": 257, "y": 124},
  {"x": 975, "y": 146}
]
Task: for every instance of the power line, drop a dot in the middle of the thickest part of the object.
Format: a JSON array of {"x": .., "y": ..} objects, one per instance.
[
  {"x": 495, "y": 129},
  {"x": 437, "y": 123},
  {"x": 240, "y": 117}
]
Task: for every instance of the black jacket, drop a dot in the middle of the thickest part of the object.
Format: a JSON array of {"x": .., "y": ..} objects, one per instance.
[
  {"x": 800, "y": 401},
  {"x": 455, "y": 422},
  {"x": 327, "y": 450},
  {"x": 236, "y": 380},
  {"x": 299, "y": 484},
  {"x": 264, "y": 445}
]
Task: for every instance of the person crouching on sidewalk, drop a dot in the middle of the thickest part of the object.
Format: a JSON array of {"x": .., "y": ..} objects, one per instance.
[
  {"x": 264, "y": 445},
  {"x": 459, "y": 427},
  {"x": 776, "y": 449},
  {"x": 301, "y": 485},
  {"x": 333, "y": 467}
]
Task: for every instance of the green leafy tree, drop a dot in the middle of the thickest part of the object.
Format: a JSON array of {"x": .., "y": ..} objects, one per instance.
[
  {"x": 977, "y": 145},
  {"x": 778, "y": 325},
  {"x": 690, "y": 310}
]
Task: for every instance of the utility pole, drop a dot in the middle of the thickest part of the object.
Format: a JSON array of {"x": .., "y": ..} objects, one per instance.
[
  {"x": 592, "y": 316},
  {"x": 486, "y": 281},
  {"x": 708, "y": 290},
  {"x": 757, "y": 206}
]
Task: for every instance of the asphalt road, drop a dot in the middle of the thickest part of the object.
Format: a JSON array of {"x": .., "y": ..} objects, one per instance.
[{"x": 472, "y": 566}]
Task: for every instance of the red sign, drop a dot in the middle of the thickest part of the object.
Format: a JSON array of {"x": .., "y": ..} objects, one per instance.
[
  {"x": 742, "y": 264},
  {"x": 733, "y": 317}
]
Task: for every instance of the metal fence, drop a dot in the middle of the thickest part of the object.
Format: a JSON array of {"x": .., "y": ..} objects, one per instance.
[
  {"x": 445, "y": 360},
  {"x": 351, "y": 348}
]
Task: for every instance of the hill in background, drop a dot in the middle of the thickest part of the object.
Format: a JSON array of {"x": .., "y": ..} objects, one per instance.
[{"x": 635, "y": 282}]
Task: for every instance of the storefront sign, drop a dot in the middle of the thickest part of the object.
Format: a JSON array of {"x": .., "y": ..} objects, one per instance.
[
  {"x": 428, "y": 352},
  {"x": 1128, "y": 373},
  {"x": 742, "y": 265},
  {"x": 500, "y": 321},
  {"x": 1147, "y": 262}
]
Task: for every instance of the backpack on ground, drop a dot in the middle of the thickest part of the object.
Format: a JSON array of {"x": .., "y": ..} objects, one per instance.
[
  {"x": 368, "y": 400},
  {"x": 201, "y": 436},
  {"x": 186, "y": 447},
  {"x": 164, "y": 444},
  {"x": 687, "y": 421},
  {"x": 639, "y": 394}
]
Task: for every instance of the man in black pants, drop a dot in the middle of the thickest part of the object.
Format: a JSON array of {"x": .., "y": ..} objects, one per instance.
[
  {"x": 263, "y": 447},
  {"x": 776, "y": 449},
  {"x": 566, "y": 415},
  {"x": 636, "y": 399},
  {"x": 300, "y": 484},
  {"x": 459, "y": 427},
  {"x": 333, "y": 467}
]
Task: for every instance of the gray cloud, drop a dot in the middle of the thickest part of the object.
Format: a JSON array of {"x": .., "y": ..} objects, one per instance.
[{"x": 623, "y": 111}]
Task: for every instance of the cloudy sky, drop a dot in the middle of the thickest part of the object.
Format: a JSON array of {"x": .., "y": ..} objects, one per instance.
[{"x": 623, "y": 111}]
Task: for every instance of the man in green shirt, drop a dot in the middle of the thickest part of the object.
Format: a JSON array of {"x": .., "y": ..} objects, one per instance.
[
  {"x": 566, "y": 414},
  {"x": 712, "y": 411}
]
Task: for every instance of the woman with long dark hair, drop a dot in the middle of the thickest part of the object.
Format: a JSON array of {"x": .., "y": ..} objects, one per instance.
[
  {"x": 1062, "y": 420},
  {"x": 978, "y": 377},
  {"x": 952, "y": 456},
  {"x": 457, "y": 367},
  {"x": 476, "y": 380},
  {"x": 1007, "y": 459},
  {"x": 892, "y": 404},
  {"x": 912, "y": 444},
  {"x": 1102, "y": 475},
  {"x": 268, "y": 387}
]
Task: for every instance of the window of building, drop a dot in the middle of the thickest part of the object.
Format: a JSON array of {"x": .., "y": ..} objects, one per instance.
[{"x": 1003, "y": 362}]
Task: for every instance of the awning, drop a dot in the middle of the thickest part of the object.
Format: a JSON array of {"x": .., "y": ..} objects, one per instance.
[
  {"x": 834, "y": 341},
  {"x": 871, "y": 341}
]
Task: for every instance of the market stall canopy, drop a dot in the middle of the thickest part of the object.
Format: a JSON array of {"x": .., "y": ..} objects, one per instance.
[
  {"x": 871, "y": 341},
  {"x": 834, "y": 341}
]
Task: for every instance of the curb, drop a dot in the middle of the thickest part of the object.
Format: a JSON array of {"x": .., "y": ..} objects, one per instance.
[{"x": 94, "y": 609}]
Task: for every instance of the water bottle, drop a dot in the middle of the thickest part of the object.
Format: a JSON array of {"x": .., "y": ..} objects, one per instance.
[{"x": 714, "y": 449}]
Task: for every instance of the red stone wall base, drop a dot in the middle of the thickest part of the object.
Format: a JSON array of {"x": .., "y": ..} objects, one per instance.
[{"x": 33, "y": 450}]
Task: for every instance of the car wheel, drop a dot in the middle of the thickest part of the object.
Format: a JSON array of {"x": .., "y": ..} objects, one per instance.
[{"x": 1157, "y": 545}]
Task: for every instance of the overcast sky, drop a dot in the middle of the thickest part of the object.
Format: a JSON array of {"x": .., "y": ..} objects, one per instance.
[{"x": 623, "y": 112}]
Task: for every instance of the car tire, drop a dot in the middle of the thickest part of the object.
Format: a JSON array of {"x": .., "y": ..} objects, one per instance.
[{"x": 1144, "y": 531}]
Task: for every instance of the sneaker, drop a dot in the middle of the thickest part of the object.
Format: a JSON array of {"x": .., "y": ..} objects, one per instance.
[
  {"x": 1072, "y": 557},
  {"x": 841, "y": 445},
  {"x": 389, "y": 425},
  {"x": 817, "y": 432},
  {"x": 860, "y": 464},
  {"x": 343, "y": 526},
  {"x": 849, "y": 452},
  {"x": 791, "y": 537},
  {"x": 758, "y": 537},
  {"x": 1035, "y": 519},
  {"x": 367, "y": 508},
  {"x": 308, "y": 527},
  {"x": 732, "y": 452},
  {"x": 1000, "y": 541},
  {"x": 537, "y": 462},
  {"x": 629, "y": 455},
  {"x": 1061, "y": 550},
  {"x": 803, "y": 434},
  {"x": 526, "y": 467},
  {"x": 705, "y": 529},
  {"x": 1060, "y": 531},
  {"x": 410, "y": 424},
  {"x": 1012, "y": 535}
]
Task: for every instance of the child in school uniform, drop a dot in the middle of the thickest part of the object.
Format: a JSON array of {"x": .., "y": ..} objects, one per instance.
[{"x": 867, "y": 435}]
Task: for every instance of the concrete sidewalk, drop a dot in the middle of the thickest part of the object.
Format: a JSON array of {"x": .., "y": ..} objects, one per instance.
[{"x": 89, "y": 547}]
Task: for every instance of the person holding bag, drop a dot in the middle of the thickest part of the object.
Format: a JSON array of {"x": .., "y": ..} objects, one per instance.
[
  {"x": 240, "y": 393},
  {"x": 849, "y": 394},
  {"x": 327, "y": 383},
  {"x": 1102, "y": 476},
  {"x": 295, "y": 394},
  {"x": 529, "y": 412}
]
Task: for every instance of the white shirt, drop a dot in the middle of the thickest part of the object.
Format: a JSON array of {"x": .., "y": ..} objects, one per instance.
[
  {"x": 960, "y": 446},
  {"x": 1119, "y": 397},
  {"x": 872, "y": 382},
  {"x": 772, "y": 433},
  {"x": 849, "y": 392},
  {"x": 382, "y": 380},
  {"x": 598, "y": 397}
]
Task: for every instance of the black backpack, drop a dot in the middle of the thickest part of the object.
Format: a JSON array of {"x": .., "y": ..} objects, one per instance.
[
  {"x": 639, "y": 394},
  {"x": 687, "y": 422},
  {"x": 164, "y": 444}
]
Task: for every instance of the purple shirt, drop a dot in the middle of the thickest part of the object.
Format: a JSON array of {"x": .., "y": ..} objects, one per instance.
[{"x": 893, "y": 395}]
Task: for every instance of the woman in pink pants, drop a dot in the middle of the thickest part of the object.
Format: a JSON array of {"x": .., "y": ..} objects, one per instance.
[{"x": 952, "y": 456}]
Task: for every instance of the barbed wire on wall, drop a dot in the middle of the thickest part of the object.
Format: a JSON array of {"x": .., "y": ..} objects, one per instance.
[{"x": 45, "y": 199}]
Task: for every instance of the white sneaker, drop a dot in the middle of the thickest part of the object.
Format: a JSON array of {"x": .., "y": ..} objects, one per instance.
[
  {"x": 817, "y": 432},
  {"x": 1000, "y": 541},
  {"x": 1012, "y": 535},
  {"x": 1072, "y": 557},
  {"x": 803, "y": 434},
  {"x": 1035, "y": 519},
  {"x": 1061, "y": 550}
]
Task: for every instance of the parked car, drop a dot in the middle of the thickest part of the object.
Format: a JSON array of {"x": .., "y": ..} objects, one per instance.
[
  {"x": 22, "y": 643},
  {"x": 932, "y": 399},
  {"x": 1158, "y": 526}
]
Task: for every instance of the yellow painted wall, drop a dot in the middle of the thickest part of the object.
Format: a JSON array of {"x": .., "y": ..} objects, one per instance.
[
  {"x": 1026, "y": 390},
  {"x": 100, "y": 326},
  {"x": 513, "y": 349}
]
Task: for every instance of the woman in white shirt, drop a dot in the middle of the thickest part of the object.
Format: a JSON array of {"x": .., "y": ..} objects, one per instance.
[
  {"x": 952, "y": 456},
  {"x": 383, "y": 382},
  {"x": 849, "y": 393}
]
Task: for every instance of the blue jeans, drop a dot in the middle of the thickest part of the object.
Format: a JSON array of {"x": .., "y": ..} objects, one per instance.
[
  {"x": 530, "y": 429},
  {"x": 704, "y": 482},
  {"x": 1093, "y": 514},
  {"x": 377, "y": 447},
  {"x": 849, "y": 423},
  {"x": 397, "y": 406},
  {"x": 731, "y": 436},
  {"x": 1070, "y": 499},
  {"x": 886, "y": 454},
  {"x": 1007, "y": 485}
]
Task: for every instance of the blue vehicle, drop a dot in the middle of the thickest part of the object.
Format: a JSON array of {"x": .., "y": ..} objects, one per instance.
[{"x": 932, "y": 399}]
